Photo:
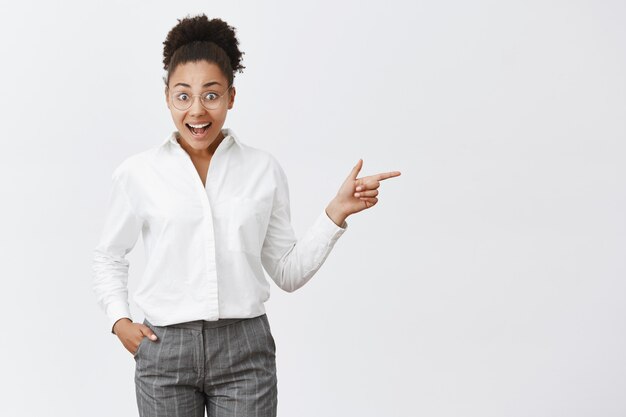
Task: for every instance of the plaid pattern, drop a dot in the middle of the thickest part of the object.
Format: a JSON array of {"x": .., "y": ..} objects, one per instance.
[{"x": 226, "y": 367}]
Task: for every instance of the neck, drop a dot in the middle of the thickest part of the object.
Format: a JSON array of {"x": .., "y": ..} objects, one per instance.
[{"x": 200, "y": 153}]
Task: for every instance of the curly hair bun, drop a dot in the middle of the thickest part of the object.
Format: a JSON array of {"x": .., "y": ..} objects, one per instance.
[{"x": 196, "y": 31}]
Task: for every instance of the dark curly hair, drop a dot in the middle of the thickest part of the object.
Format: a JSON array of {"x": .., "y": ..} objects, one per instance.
[{"x": 198, "y": 38}]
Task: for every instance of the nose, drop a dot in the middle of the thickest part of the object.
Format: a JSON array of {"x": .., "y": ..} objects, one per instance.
[{"x": 196, "y": 107}]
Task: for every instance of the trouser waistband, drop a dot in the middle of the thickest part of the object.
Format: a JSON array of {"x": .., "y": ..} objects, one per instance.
[{"x": 202, "y": 324}]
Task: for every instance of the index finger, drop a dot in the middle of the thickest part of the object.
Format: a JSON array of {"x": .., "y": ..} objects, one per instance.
[{"x": 385, "y": 175}]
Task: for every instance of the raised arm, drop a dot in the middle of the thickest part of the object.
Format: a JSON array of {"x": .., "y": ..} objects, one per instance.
[
  {"x": 292, "y": 262},
  {"x": 289, "y": 261}
]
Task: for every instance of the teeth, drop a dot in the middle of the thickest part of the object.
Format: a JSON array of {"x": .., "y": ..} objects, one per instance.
[{"x": 199, "y": 126}]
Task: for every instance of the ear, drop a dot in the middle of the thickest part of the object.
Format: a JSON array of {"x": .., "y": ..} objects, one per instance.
[
  {"x": 167, "y": 97},
  {"x": 231, "y": 100}
]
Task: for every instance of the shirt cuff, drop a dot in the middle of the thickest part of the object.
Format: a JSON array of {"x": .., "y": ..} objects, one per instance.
[
  {"x": 327, "y": 228},
  {"x": 117, "y": 310}
]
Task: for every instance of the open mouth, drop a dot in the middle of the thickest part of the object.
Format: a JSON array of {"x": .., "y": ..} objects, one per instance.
[{"x": 198, "y": 130}]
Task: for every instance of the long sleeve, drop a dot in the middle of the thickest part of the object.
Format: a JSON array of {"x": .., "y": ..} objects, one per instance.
[
  {"x": 289, "y": 261},
  {"x": 110, "y": 266}
]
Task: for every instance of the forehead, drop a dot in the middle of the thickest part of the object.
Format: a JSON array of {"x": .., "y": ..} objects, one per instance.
[{"x": 197, "y": 74}]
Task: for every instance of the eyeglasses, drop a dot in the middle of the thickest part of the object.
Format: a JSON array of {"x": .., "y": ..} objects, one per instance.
[{"x": 210, "y": 100}]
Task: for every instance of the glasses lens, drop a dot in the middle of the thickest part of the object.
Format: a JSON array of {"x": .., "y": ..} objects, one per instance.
[
  {"x": 182, "y": 101},
  {"x": 210, "y": 100}
]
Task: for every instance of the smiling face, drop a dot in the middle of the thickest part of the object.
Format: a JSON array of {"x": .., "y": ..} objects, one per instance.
[{"x": 191, "y": 81}]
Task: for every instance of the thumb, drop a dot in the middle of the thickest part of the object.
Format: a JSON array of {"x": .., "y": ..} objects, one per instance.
[
  {"x": 356, "y": 169},
  {"x": 148, "y": 332}
]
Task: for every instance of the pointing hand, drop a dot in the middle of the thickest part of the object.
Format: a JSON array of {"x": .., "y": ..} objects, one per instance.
[{"x": 356, "y": 194}]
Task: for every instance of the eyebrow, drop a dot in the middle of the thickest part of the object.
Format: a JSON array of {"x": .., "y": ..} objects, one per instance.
[{"x": 210, "y": 83}]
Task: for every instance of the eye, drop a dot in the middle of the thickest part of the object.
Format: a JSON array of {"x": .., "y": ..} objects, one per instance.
[
  {"x": 181, "y": 96},
  {"x": 210, "y": 96}
]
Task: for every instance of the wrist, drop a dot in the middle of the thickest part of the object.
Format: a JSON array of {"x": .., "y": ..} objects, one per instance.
[
  {"x": 121, "y": 321},
  {"x": 336, "y": 213}
]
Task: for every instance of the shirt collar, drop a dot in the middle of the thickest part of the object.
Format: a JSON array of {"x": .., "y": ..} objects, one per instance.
[{"x": 229, "y": 138}]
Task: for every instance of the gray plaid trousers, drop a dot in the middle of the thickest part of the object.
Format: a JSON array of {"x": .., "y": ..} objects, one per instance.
[{"x": 226, "y": 367}]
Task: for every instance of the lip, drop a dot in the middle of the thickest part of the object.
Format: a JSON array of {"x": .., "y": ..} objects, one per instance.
[
  {"x": 199, "y": 137},
  {"x": 198, "y": 123}
]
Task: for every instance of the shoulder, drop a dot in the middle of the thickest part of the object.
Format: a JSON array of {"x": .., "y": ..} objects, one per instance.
[
  {"x": 258, "y": 156},
  {"x": 262, "y": 157},
  {"x": 133, "y": 164}
]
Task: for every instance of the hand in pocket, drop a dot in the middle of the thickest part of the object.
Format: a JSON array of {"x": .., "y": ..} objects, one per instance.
[{"x": 131, "y": 335}]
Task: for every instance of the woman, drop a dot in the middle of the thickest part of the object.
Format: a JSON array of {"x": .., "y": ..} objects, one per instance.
[{"x": 214, "y": 215}]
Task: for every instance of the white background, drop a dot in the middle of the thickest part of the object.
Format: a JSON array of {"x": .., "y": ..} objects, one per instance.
[{"x": 487, "y": 281}]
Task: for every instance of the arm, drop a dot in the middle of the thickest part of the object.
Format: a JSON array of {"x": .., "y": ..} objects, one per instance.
[
  {"x": 289, "y": 261},
  {"x": 110, "y": 266}
]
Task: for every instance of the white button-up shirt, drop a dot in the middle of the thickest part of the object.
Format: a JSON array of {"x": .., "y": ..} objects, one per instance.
[{"x": 206, "y": 246}]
